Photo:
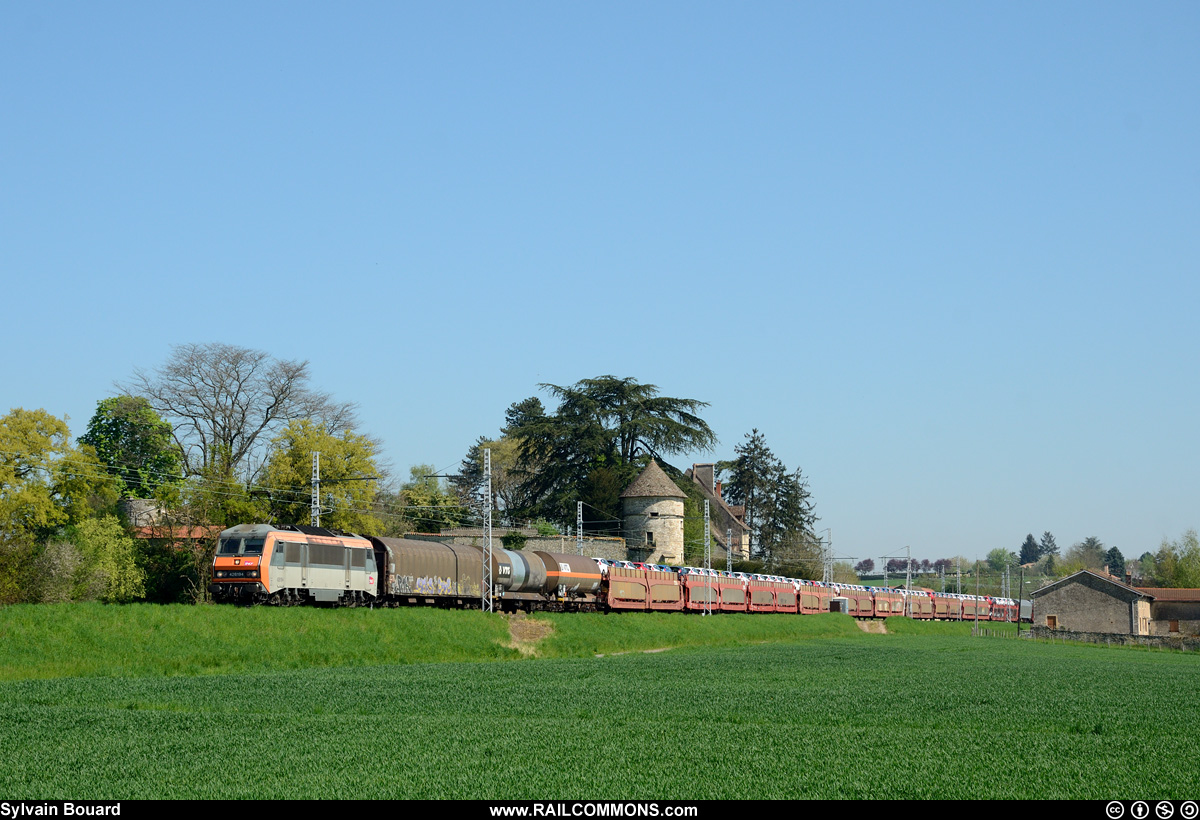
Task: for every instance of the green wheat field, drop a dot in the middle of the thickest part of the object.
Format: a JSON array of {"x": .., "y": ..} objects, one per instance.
[{"x": 109, "y": 702}]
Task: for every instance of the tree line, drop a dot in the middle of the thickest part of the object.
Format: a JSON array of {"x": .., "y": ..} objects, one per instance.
[
  {"x": 1176, "y": 563},
  {"x": 601, "y": 435},
  {"x": 219, "y": 435}
]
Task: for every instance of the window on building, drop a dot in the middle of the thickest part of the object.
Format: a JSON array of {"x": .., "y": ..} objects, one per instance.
[
  {"x": 649, "y": 538},
  {"x": 1052, "y": 621}
]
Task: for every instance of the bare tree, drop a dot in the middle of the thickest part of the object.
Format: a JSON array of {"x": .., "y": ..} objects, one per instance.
[{"x": 226, "y": 402}]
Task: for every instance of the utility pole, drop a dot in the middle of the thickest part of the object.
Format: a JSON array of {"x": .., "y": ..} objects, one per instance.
[
  {"x": 707, "y": 557},
  {"x": 976, "y": 595},
  {"x": 315, "y": 514},
  {"x": 958, "y": 569},
  {"x": 1020, "y": 591},
  {"x": 486, "y": 585},
  {"x": 579, "y": 526},
  {"x": 908, "y": 568}
]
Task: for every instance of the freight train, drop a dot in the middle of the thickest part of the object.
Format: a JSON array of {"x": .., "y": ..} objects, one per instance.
[{"x": 259, "y": 563}]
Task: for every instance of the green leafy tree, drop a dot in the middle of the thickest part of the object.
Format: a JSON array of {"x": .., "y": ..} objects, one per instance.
[
  {"x": 545, "y": 528},
  {"x": 1147, "y": 565},
  {"x": 45, "y": 483},
  {"x": 1047, "y": 546},
  {"x": 135, "y": 445},
  {"x": 426, "y": 504},
  {"x": 348, "y": 477},
  {"x": 749, "y": 482},
  {"x": 58, "y": 570},
  {"x": 633, "y": 418},
  {"x": 798, "y": 555},
  {"x": 1030, "y": 551},
  {"x": 1087, "y": 554},
  {"x": 109, "y": 570},
  {"x": 1177, "y": 563},
  {"x": 1115, "y": 561},
  {"x": 213, "y": 497},
  {"x": 1000, "y": 558},
  {"x": 94, "y": 561},
  {"x": 843, "y": 573},
  {"x": 19, "y": 570},
  {"x": 509, "y": 491},
  {"x": 171, "y": 577},
  {"x": 778, "y": 504},
  {"x": 602, "y": 433},
  {"x": 184, "y": 535}
]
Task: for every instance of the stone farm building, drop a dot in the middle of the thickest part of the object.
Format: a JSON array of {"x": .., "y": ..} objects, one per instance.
[
  {"x": 1174, "y": 611},
  {"x": 1090, "y": 602}
]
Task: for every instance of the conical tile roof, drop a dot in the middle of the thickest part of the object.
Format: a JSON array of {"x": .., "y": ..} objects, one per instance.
[{"x": 653, "y": 483}]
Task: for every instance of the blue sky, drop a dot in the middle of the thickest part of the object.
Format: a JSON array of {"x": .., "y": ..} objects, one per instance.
[{"x": 944, "y": 256}]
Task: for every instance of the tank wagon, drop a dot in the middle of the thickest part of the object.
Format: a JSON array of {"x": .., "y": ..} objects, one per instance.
[{"x": 259, "y": 563}]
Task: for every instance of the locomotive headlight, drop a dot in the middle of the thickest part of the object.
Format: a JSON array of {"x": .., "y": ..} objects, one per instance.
[{"x": 220, "y": 574}]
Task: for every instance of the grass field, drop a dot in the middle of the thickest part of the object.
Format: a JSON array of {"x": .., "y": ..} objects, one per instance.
[
  {"x": 84, "y": 640},
  {"x": 780, "y": 711},
  {"x": 49, "y": 641}
]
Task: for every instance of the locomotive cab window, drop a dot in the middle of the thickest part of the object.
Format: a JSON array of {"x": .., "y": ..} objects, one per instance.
[{"x": 236, "y": 546}]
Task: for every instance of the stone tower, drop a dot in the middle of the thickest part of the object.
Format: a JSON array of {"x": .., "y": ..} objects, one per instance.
[{"x": 652, "y": 507}]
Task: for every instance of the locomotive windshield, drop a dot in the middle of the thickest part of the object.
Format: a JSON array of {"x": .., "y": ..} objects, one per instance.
[{"x": 237, "y": 546}]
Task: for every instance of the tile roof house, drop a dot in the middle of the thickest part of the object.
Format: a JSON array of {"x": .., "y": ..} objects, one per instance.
[
  {"x": 1091, "y": 602},
  {"x": 728, "y": 522},
  {"x": 1174, "y": 611}
]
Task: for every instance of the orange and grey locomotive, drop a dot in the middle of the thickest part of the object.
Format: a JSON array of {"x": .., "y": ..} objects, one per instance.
[{"x": 258, "y": 563}]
